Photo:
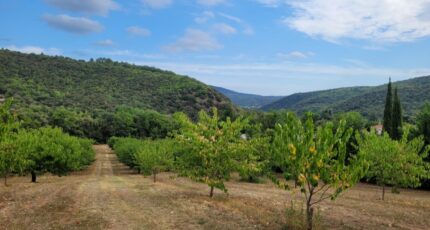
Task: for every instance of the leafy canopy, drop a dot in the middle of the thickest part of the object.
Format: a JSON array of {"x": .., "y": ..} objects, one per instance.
[
  {"x": 210, "y": 148},
  {"x": 398, "y": 163},
  {"x": 316, "y": 158}
]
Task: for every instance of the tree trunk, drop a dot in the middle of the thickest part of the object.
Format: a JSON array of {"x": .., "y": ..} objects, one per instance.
[
  {"x": 155, "y": 176},
  {"x": 5, "y": 179},
  {"x": 211, "y": 194},
  {"x": 33, "y": 177},
  {"x": 309, "y": 209},
  {"x": 309, "y": 215},
  {"x": 383, "y": 192}
]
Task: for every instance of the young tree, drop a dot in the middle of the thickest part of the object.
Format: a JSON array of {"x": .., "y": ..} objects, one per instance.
[
  {"x": 388, "y": 112},
  {"x": 155, "y": 156},
  {"x": 353, "y": 120},
  {"x": 397, "y": 122},
  {"x": 316, "y": 159},
  {"x": 10, "y": 160},
  {"x": 253, "y": 157},
  {"x": 391, "y": 162},
  {"x": 51, "y": 150},
  {"x": 423, "y": 123},
  {"x": 210, "y": 147}
]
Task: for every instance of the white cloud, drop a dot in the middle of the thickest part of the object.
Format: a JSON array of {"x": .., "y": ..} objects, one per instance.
[
  {"x": 246, "y": 29},
  {"x": 34, "y": 50},
  {"x": 230, "y": 17},
  {"x": 78, "y": 25},
  {"x": 100, "y": 7},
  {"x": 204, "y": 17},
  {"x": 380, "y": 21},
  {"x": 106, "y": 42},
  {"x": 295, "y": 55},
  {"x": 224, "y": 28},
  {"x": 157, "y": 4},
  {"x": 210, "y": 2},
  {"x": 194, "y": 40},
  {"x": 118, "y": 53},
  {"x": 283, "y": 78},
  {"x": 138, "y": 31},
  {"x": 270, "y": 3}
]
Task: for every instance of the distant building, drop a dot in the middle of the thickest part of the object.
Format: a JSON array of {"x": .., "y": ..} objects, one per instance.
[{"x": 378, "y": 129}]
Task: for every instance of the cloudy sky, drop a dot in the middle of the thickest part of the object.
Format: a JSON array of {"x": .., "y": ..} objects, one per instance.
[{"x": 269, "y": 47}]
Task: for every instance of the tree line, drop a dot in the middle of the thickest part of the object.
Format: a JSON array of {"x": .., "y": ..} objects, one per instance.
[{"x": 314, "y": 157}]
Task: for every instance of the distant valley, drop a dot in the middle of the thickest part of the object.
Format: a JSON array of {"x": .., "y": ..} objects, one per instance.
[
  {"x": 369, "y": 101},
  {"x": 245, "y": 100}
]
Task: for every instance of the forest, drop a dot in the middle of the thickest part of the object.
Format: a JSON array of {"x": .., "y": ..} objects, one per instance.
[{"x": 87, "y": 97}]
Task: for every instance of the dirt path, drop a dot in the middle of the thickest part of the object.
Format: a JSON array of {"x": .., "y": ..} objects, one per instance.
[{"x": 110, "y": 196}]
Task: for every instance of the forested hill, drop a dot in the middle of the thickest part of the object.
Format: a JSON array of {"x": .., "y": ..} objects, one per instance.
[
  {"x": 40, "y": 80},
  {"x": 369, "y": 101},
  {"x": 246, "y": 100}
]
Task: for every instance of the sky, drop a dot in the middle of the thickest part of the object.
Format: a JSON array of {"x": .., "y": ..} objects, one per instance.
[{"x": 267, "y": 47}]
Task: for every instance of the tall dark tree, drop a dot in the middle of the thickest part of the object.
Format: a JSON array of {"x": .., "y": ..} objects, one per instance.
[
  {"x": 397, "y": 121},
  {"x": 388, "y": 112}
]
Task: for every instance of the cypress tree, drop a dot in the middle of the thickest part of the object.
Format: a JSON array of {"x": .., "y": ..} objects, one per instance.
[
  {"x": 388, "y": 112},
  {"x": 397, "y": 117}
]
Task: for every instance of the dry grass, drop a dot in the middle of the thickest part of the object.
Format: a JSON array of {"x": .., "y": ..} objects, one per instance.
[{"x": 110, "y": 196}]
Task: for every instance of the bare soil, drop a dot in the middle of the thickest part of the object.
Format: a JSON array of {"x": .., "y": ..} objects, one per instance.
[{"x": 110, "y": 196}]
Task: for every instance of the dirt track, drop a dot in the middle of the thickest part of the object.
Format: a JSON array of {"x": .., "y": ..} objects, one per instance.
[{"x": 110, "y": 196}]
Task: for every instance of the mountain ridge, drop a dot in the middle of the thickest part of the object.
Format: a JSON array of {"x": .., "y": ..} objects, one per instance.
[
  {"x": 368, "y": 100},
  {"x": 247, "y": 100},
  {"x": 38, "y": 81}
]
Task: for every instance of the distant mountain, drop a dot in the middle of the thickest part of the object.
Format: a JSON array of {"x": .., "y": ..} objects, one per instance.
[
  {"x": 369, "y": 101},
  {"x": 247, "y": 100},
  {"x": 41, "y": 83}
]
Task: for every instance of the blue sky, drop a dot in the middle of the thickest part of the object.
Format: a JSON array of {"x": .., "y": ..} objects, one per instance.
[{"x": 268, "y": 47}]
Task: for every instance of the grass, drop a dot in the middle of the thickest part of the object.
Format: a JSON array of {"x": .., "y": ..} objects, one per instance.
[{"x": 296, "y": 218}]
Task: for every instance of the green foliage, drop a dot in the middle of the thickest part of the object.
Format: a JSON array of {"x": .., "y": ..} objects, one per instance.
[
  {"x": 51, "y": 150},
  {"x": 126, "y": 148},
  {"x": 40, "y": 150},
  {"x": 84, "y": 98},
  {"x": 316, "y": 158},
  {"x": 397, "y": 125},
  {"x": 423, "y": 123},
  {"x": 253, "y": 158},
  {"x": 10, "y": 160},
  {"x": 149, "y": 157},
  {"x": 155, "y": 156},
  {"x": 396, "y": 163},
  {"x": 353, "y": 120},
  {"x": 211, "y": 148},
  {"x": 388, "y": 110}
]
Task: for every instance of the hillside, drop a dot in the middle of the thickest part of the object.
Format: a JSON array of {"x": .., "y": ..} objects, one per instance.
[
  {"x": 369, "y": 101},
  {"x": 101, "y": 85},
  {"x": 247, "y": 100}
]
